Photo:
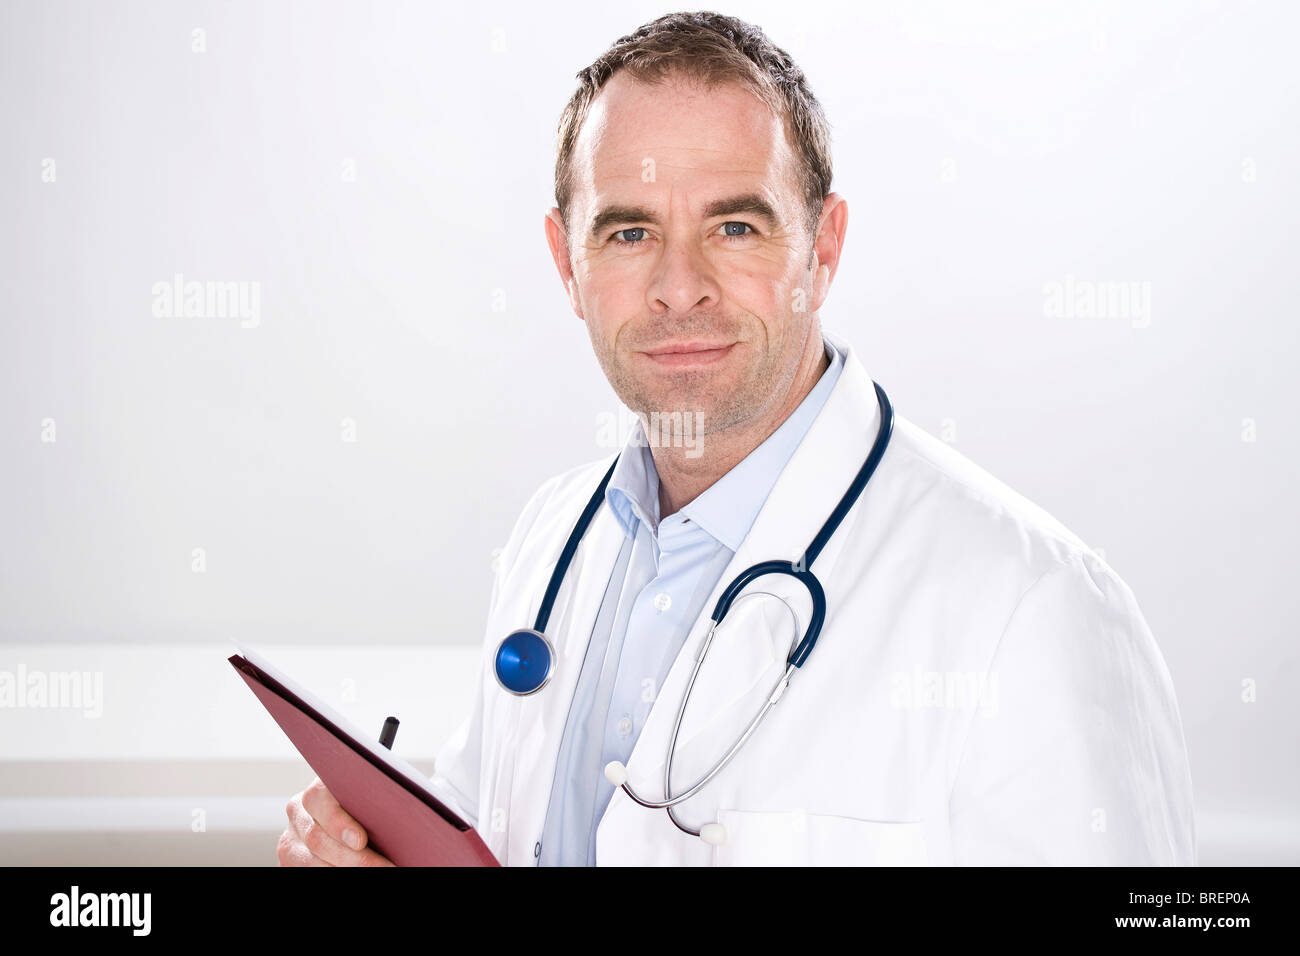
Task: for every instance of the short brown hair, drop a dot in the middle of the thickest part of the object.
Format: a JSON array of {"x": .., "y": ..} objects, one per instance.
[{"x": 712, "y": 49}]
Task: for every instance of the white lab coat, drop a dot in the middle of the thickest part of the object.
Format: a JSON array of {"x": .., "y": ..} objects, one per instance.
[{"x": 985, "y": 689}]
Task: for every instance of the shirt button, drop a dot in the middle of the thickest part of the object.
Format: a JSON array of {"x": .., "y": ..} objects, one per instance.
[
  {"x": 662, "y": 601},
  {"x": 625, "y": 726}
]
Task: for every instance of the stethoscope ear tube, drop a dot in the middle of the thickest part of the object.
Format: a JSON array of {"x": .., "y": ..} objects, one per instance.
[
  {"x": 800, "y": 653},
  {"x": 570, "y": 548},
  {"x": 864, "y": 474},
  {"x": 616, "y": 773}
]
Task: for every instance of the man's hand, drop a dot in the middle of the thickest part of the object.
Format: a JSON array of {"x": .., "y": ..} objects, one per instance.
[{"x": 322, "y": 833}]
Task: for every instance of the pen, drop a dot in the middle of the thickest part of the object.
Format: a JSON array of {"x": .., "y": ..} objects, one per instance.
[{"x": 387, "y": 735}]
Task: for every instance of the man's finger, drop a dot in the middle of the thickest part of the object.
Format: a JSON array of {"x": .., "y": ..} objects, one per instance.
[
  {"x": 317, "y": 839},
  {"x": 290, "y": 851},
  {"x": 372, "y": 858},
  {"x": 338, "y": 823}
]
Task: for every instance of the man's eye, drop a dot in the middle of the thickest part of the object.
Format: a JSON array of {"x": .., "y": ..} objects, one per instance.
[
  {"x": 736, "y": 230},
  {"x": 637, "y": 234}
]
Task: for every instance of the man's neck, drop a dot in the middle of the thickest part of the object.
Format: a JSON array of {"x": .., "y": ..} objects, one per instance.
[{"x": 682, "y": 479}]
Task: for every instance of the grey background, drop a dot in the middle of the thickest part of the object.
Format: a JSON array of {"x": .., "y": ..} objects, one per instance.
[{"x": 985, "y": 151}]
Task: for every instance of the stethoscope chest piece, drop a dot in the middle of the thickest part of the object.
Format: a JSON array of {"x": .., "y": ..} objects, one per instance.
[{"x": 524, "y": 662}]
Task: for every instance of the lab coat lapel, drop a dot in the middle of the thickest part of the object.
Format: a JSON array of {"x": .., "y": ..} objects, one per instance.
[{"x": 727, "y": 692}]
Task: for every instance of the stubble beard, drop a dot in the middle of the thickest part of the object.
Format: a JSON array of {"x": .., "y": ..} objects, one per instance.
[{"x": 715, "y": 406}]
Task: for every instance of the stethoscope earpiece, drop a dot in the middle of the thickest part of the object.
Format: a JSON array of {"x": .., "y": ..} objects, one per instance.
[{"x": 714, "y": 834}]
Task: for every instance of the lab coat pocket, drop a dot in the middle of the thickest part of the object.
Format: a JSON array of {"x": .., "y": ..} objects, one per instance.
[{"x": 796, "y": 838}]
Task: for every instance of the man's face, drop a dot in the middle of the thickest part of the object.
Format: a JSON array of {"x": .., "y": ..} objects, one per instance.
[{"x": 690, "y": 259}]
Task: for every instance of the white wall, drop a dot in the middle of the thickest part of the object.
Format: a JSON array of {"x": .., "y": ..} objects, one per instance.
[{"x": 382, "y": 173}]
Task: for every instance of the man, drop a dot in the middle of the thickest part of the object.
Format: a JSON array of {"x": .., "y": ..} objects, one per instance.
[{"x": 985, "y": 689}]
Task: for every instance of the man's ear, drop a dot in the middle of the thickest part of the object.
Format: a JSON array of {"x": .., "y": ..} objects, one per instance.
[
  {"x": 828, "y": 245},
  {"x": 557, "y": 239}
]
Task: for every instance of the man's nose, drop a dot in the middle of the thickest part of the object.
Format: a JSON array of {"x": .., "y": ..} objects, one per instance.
[{"x": 684, "y": 279}]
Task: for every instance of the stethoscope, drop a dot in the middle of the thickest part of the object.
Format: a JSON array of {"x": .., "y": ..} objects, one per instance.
[{"x": 525, "y": 660}]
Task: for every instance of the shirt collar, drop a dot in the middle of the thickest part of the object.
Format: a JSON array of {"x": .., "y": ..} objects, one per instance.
[
  {"x": 727, "y": 509},
  {"x": 633, "y": 489}
]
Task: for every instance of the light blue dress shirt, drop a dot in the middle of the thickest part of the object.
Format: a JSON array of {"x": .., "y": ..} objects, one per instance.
[{"x": 665, "y": 572}]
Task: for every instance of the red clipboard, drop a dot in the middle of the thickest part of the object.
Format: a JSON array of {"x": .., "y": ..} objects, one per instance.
[{"x": 403, "y": 817}]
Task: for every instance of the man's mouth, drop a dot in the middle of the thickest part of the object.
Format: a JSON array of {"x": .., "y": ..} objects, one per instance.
[{"x": 683, "y": 354}]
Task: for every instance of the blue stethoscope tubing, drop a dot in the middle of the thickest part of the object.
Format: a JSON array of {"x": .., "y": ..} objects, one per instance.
[{"x": 525, "y": 659}]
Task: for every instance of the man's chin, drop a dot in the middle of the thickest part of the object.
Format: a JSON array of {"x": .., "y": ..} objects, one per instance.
[{"x": 702, "y": 400}]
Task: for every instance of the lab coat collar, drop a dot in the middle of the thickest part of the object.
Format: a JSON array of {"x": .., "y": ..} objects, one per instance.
[{"x": 812, "y": 483}]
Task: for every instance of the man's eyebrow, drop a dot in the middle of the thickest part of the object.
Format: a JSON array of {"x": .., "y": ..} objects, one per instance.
[
  {"x": 751, "y": 203},
  {"x": 615, "y": 214}
]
